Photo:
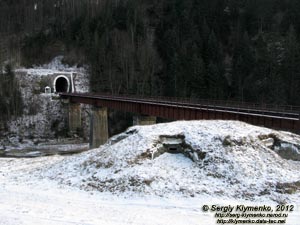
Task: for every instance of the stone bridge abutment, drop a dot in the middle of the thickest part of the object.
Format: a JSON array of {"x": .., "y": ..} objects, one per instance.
[{"x": 98, "y": 123}]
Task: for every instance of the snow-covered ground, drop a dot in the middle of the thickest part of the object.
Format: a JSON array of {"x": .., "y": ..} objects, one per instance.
[
  {"x": 136, "y": 179},
  {"x": 49, "y": 204},
  {"x": 55, "y": 66}
]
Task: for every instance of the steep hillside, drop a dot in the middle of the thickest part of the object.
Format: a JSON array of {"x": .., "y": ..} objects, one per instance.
[{"x": 218, "y": 49}]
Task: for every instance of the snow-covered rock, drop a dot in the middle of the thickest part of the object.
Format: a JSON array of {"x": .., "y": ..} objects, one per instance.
[{"x": 44, "y": 116}]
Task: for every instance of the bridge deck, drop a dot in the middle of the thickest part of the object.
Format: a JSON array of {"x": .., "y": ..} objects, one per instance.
[{"x": 286, "y": 118}]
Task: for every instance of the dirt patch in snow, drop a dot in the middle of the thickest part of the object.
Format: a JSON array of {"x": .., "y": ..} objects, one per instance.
[{"x": 288, "y": 188}]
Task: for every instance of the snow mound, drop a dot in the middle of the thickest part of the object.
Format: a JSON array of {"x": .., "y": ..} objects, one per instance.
[{"x": 220, "y": 158}]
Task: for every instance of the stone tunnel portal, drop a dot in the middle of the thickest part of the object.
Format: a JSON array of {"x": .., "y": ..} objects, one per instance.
[{"x": 61, "y": 84}]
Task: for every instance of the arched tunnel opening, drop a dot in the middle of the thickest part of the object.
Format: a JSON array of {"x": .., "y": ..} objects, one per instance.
[{"x": 61, "y": 84}]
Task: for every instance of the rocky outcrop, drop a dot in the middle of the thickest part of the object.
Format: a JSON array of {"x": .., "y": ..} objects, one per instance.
[
  {"x": 285, "y": 149},
  {"x": 44, "y": 116}
]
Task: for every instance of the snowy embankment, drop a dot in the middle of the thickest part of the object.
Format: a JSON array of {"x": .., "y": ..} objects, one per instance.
[
  {"x": 194, "y": 162},
  {"x": 218, "y": 158}
]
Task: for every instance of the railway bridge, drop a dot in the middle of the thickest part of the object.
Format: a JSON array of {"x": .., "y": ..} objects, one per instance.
[{"x": 148, "y": 108}]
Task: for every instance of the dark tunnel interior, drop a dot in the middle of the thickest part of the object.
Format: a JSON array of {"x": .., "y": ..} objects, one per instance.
[{"x": 61, "y": 85}]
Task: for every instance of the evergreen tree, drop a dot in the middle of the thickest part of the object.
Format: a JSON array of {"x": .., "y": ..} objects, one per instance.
[
  {"x": 198, "y": 75},
  {"x": 261, "y": 76},
  {"x": 11, "y": 101},
  {"x": 292, "y": 67},
  {"x": 243, "y": 63},
  {"x": 180, "y": 48}
]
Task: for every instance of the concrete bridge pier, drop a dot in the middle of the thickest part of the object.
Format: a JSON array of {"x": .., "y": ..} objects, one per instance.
[
  {"x": 74, "y": 118},
  {"x": 98, "y": 127},
  {"x": 144, "y": 120}
]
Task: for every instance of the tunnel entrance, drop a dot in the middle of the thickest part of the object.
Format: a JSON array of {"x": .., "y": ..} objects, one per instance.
[{"x": 61, "y": 84}]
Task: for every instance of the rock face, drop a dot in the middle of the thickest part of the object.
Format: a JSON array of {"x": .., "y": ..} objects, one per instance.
[
  {"x": 44, "y": 115},
  {"x": 286, "y": 149},
  {"x": 289, "y": 151}
]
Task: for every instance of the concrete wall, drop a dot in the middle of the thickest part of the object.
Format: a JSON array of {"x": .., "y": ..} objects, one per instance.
[
  {"x": 99, "y": 127},
  {"x": 74, "y": 118}
]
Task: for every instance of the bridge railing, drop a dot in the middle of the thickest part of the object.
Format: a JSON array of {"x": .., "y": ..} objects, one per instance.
[
  {"x": 209, "y": 102},
  {"x": 224, "y": 103}
]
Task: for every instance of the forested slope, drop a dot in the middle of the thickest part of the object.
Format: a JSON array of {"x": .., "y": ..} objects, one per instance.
[{"x": 245, "y": 50}]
